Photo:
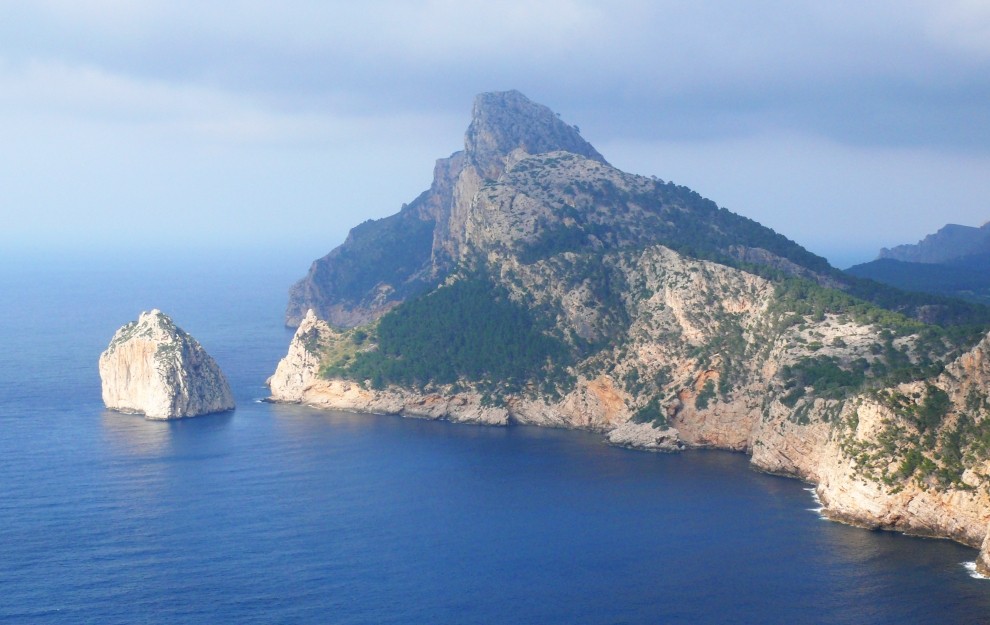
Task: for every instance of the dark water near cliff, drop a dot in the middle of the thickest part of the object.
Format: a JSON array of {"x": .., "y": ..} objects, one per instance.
[{"x": 279, "y": 514}]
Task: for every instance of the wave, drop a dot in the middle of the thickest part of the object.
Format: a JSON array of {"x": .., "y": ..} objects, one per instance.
[
  {"x": 971, "y": 567},
  {"x": 820, "y": 510}
]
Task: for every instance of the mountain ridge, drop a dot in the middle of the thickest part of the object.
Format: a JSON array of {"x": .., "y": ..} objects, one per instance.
[
  {"x": 950, "y": 242},
  {"x": 521, "y": 159},
  {"x": 385, "y": 261}
]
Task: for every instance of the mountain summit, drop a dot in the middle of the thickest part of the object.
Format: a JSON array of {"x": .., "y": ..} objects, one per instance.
[
  {"x": 527, "y": 183},
  {"x": 382, "y": 262},
  {"x": 953, "y": 262},
  {"x": 505, "y": 121}
]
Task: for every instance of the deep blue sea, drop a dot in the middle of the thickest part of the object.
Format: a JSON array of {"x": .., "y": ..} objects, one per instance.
[{"x": 283, "y": 514}]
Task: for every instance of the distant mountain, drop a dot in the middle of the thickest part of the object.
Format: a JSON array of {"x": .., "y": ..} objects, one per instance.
[
  {"x": 953, "y": 262},
  {"x": 951, "y": 242}
]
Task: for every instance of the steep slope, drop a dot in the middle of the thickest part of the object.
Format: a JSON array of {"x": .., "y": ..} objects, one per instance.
[
  {"x": 571, "y": 294},
  {"x": 546, "y": 190},
  {"x": 916, "y": 456},
  {"x": 383, "y": 262}
]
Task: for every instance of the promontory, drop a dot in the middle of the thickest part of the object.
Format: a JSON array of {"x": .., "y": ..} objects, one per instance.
[
  {"x": 153, "y": 367},
  {"x": 534, "y": 283}
]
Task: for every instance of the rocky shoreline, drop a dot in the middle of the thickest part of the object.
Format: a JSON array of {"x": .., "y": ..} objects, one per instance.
[
  {"x": 813, "y": 452},
  {"x": 661, "y": 321}
]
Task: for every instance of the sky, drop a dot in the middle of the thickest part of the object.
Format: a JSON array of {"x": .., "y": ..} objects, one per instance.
[{"x": 250, "y": 125}]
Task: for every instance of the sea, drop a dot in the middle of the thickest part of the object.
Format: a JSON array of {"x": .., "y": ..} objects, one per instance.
[{"x": 285, "y": 514}]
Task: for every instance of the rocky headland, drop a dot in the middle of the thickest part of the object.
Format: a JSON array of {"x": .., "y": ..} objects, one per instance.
[
  {"x": 534, "y": 283},
  {"x": 154, "y": 368}
]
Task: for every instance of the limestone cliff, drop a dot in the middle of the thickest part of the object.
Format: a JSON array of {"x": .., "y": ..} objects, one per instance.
[
  {"x": 983, "y": 559},
  {"x": 384, "y": 262},
  {"x": 635, "y": 307},
  {"x": 915, "y": 457},
  {"x": 153, "y": 367}
]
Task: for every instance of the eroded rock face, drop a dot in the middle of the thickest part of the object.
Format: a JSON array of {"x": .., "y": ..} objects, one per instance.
[
  {"x": 299, "y": 369},
  {"x": 384, "y": 262},
  {"x": 646, "y": 437},
  {"x": 983, "y": 560},
  {"x": 154, "y": 368}
]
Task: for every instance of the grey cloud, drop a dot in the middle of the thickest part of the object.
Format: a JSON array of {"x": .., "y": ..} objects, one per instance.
[{"x": 888, "y": 74}]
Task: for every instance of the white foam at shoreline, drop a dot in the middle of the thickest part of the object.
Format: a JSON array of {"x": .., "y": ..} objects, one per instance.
[
  {"x": 971, "y": 567},
  {"x": 820, "y": 510}
]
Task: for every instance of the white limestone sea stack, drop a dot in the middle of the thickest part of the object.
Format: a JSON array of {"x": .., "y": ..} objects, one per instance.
[{"x": 154, "y": 368}]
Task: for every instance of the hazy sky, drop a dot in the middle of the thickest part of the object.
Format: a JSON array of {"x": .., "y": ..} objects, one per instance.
[{"x": 124, "y": 123}]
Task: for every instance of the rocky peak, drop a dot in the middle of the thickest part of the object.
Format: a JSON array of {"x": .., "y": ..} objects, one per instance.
[
  {"x": 505, "y": 121},
  {"x": 386, "y": 261},
  {"x": 155, "y": 368}
]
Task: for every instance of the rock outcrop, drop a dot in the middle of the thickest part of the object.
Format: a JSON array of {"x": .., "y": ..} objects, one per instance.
[
  {"x": 383, "y": 262},
  {"x": 645, "y": 437},
  {"x": 154, "y": 368},
  {"x": 983, "y": 559}
]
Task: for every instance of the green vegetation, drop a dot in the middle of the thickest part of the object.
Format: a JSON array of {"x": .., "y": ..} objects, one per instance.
[
  {"x": 929, "y": 414},
  {"x": 824, "y": 375},
  {"x": 967, "y": 281},
  {"x": 591, "y": 272},
  {"x": 668, "y": 214},
  {"x": 796, "y": 298},
  {"x": 706, "y": 395},
  {"x": 469, "y": 330},
  {"x": 724, "y": 229},
  {"x": 574, "y": 234},
  {"x": 936, "y": 309},
  {"x": 652, "y": 412},
  {"x": 390, "y": 250},
  {"x": 925, "y": 442}
]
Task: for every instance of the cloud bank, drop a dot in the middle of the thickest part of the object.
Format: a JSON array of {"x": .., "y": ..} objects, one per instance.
[{"x": 246, "y": 118}]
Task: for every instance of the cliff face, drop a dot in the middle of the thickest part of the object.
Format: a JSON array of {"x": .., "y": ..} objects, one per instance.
[
  {"x": 668, "y": 322},
  {"x": 154, "y": 368},
  {"x": 386, "y": 261}
]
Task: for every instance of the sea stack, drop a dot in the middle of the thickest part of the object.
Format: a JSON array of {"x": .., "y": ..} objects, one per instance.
[{"x": 154, "y": 368}]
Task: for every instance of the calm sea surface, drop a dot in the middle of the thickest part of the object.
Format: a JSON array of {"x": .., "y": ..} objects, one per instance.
[{"x": 282, "y": 514}]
